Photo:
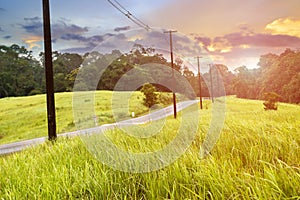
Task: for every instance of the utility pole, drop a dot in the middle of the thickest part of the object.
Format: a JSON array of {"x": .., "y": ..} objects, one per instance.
[
  {"x": 49, "y": 72},
  {"x": 172, "y": 64},
  {"x": 211, "y": 84},
  {"x": 199, "y": 80},
  {"x": 218, "y": 85}
]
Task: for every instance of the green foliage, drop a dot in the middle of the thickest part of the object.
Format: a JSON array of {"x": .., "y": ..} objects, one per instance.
[
  {"x": 245, "y": 83},
  {"x": 63, "y": 67},
  {"x": 271, "y": 99},
  {"x": 20, "y": 73},
  {"x": 165, "y": 98},
  {"x": 256, "y": 157},
  {"x": 291, "y": 91},
  {"x": 150, "y": 96},
  {"x": 279, "y": 73}
]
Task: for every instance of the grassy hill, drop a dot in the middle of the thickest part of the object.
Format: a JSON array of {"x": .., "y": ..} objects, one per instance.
[
  {"x": 256, "y": 157},
  {"x": 26, "y": 118}
]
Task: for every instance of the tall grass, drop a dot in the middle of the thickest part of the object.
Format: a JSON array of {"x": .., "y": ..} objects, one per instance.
[
  {"x": 256, "y": 157},
  {"x": 24, "y": 118}
]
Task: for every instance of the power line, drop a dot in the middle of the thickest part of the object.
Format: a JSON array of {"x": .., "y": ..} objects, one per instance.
[{"x": 128, "y": 14}]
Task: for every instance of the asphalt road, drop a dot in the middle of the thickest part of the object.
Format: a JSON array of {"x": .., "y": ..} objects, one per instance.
[{"x": 153, "y": 116}]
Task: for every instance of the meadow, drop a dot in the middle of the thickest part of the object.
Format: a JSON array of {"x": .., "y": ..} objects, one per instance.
[
  {"x": 24, "y": 118},
  {"x": 256, "y": 157}
]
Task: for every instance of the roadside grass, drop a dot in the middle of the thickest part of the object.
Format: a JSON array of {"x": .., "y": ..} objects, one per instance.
[
  {"x": 24, "y": 118},
  {"x": 256, "y": 157}
]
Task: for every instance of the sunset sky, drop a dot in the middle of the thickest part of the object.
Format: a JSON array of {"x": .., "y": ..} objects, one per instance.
[{"x": 233, "y": 32}]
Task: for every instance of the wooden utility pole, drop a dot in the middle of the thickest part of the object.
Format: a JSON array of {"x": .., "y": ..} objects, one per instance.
[
  {"x": 211, "y": 84},
  {"x": 49, "y": 72},
  {"x": 218, "y": 84},
  {"x": 199, "y": 80},
  {"x": 172, "y": 64}
]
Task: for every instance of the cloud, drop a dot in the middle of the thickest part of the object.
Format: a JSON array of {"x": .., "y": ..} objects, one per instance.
[
  {"x": 247, "y": 39},
  {"x": 262, "y": 40},
  {"x": 32, "y": 18},
  {"x": 1, "y": 30},
  {"x": 85, "y": 44},
  {"x": 124, "y": 28},
  {"x": 90, "y": 42},
  {"x": 2, "y": 10},
  {"x": 71, "y": 36},
  {"x": 245, "y": 47},
  {"x": 7, "y": 37},
  {"x": 284, "y": 26},
  {"x": 220, "y": 44},
  {"x": 79, "y": 50},
  {"x": 203, "y": 41},
  {"x": 33, "y": 25},
  {"x": 59, "y": 29},
  {"x": 32, "y": 41}
]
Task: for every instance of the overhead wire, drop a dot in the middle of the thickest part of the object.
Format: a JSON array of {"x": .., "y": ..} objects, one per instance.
[
  {"x": 134, "y": 19},
  {"x": 128, "y": 14}
]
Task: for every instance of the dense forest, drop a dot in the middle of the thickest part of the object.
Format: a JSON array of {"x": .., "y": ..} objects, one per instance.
[{"x": 22, "y": 74}]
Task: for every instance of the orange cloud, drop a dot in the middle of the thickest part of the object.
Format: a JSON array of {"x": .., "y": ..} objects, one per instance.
[
  {"x": 32, "y": 41},
  {"x": 284, "y": 26},
  {"x": 220, "y": 45}
]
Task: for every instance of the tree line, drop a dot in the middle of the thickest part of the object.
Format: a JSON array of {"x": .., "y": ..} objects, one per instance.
[{"x": 22, "y": 74}]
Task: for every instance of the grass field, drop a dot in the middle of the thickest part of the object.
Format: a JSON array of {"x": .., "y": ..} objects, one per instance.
[
  {"x": 256, "y": 157},
  {"x": 25, "y": 117}
]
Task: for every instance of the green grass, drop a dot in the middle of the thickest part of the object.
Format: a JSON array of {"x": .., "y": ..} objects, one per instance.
[
  {"x": 256, "y": 157},
  {"x": 24, "y": 118}
]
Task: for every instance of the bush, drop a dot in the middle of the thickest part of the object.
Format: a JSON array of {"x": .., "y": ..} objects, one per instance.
[
  {"x": 271, "y": 99},
  {"x": 165, "y": 98},
  {"x": 35, "y": 92}
]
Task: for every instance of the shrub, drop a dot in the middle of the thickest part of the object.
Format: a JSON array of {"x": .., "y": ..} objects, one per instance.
[{"x": 271, "y": 99}]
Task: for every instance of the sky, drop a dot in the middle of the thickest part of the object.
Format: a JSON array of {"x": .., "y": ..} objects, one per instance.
[{"x": 231, "y": 32}]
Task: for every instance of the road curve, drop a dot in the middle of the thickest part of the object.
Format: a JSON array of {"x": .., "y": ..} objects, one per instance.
[{"x": 153, "y": 116}]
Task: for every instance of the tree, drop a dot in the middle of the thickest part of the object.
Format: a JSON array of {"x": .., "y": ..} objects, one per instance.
[
  {"x": 245, "y": 83},
  {"x": 20, "y": 73},
  {"x": 64, "y": 64},
  {"x": 150, "y": 96},
  {"x": 291, "y": 91},
  {"x": 279, "y": 74}
]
